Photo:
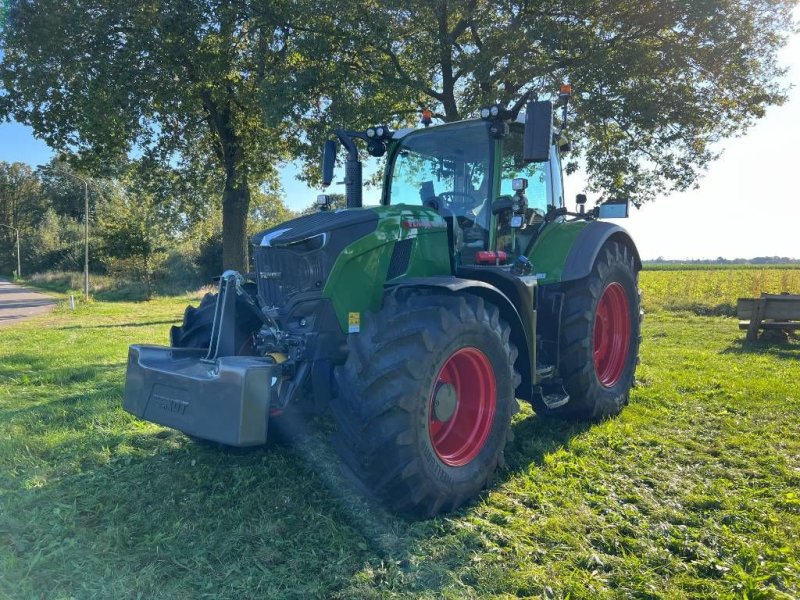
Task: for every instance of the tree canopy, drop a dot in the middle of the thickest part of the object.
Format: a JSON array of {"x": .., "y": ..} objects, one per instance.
[
  {"x": 213, "y": 94},
  {"x": 657, "y": 83},
  {"x": 202, "y": 87}
]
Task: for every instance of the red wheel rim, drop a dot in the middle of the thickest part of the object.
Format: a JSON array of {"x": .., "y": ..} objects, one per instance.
[
  {"x": 458, "y": 439},
  {"x": 612, "y": 334}
]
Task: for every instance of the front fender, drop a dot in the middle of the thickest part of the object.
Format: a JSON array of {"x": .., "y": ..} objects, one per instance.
[
  {"x": 523, "y": 325},
  {"x": 583, "y": 254}
]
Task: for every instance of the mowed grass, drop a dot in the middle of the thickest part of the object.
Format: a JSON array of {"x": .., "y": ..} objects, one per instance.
[{"x": 693, "y": 491}]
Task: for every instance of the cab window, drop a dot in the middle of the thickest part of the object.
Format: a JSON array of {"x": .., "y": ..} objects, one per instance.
[{"x": 544, "y": 179}]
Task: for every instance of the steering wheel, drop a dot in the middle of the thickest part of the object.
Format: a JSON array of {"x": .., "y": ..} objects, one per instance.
[{"x": 461, "y": 207}]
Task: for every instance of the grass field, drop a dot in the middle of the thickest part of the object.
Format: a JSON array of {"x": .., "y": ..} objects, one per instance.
[{"x": 694, "y": 491}]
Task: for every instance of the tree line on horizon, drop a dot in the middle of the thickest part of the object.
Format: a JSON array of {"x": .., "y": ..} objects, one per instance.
[
  {"x": 156, "y": 236},
  {"x": 196, "y": 104}
]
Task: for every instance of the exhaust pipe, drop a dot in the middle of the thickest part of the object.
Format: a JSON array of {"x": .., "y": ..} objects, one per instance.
[{"x": 352, "y": 170}]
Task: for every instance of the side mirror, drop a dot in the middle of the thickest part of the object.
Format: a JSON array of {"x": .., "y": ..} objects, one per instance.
[
  {"x": 538, "y": 132},
  {"x": 613, "y": 209},
  {"x": 328, "y": 161}
]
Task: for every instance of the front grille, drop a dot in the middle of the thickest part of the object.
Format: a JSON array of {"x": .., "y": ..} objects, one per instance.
[{"x": 282, "y": 273}]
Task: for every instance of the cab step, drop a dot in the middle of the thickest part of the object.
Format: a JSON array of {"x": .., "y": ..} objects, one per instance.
[
  {"x": 554, "y": 396},
  {"x": 545, "y": 371},
  {"x": 553, "y": 401}
]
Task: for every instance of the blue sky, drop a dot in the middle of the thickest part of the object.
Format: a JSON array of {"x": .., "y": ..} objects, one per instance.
[{"x": 745, "y": 205}]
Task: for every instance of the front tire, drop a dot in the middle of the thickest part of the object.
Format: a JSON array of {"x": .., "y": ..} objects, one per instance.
[
  {"x": 425, "y": 400},
  {"x": 600, "y": 337},
  {"x": 195, "y": 330}
]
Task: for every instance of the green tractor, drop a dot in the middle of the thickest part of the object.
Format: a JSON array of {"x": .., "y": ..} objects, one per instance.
[{"x": 419, "y": 322}]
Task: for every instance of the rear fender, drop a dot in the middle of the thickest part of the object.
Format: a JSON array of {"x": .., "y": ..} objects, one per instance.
[
  {"x": 520, "y": 336},
  {"x": 567, "y": 251},
  {"x": 584, "y": 251}
]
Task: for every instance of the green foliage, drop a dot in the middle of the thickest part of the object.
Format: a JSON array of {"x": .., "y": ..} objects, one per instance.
[
  {"x": 135, "y": 230},
  {"x": 21, "y": 207},
  {"x": 690, "y": 493},
  {"x": 152, "y": 235},
  {"x": 199, "y": 89},
  {"x": 212, "y": 95},
  {"x": 656, "y": 84}
]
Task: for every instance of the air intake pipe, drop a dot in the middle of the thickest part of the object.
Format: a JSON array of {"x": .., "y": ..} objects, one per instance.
[{"x": 352, "y": 169}]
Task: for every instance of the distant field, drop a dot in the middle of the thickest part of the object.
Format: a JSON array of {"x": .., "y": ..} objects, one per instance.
[
  {"x": 713, "y": 291},
  {"x": 692, "y": 492},
  {"x": 648, "y": 266}
]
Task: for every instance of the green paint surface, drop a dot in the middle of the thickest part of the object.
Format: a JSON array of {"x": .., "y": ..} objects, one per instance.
[
  {"x": 549, "y": 253},
  {"x": 356, "y": 282}
]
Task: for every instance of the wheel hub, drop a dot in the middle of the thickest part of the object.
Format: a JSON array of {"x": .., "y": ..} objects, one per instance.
[
  {"x": 445, "y": 401},
  {"x": 612, "y": 334},
  {"x": 461, "y": 407}
]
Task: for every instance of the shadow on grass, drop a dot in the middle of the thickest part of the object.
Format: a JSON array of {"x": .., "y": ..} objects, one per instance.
[
  {"x": 535, "y": 437},
  {"x": 177, "y": 319},
  {"x": 100, "y": 504},
  {"x": 129, "y": 508},
  {"x": 37, "y": 370},
  {"x": 725, "y": 309},
  {"x": 771, "y": 343}
]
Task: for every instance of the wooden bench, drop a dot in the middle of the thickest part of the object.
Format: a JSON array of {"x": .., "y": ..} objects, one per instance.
[{"x": 770, "y": 312}]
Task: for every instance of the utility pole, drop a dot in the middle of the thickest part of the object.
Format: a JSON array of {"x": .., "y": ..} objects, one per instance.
[
  {"x": 85, "y": 240},
  {"x": 85, "y": 225},
  {"x": 19, "y": 261}
]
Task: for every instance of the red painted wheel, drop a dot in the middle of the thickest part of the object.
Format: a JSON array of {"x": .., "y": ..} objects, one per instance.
[
  {"x": 462, "y": 405},
  {"x": 612, "y": 334},
  {"x": 428, "y": 398}
]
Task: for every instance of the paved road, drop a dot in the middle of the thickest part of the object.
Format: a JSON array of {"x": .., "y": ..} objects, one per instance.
[{"x": 17, "y": 303}]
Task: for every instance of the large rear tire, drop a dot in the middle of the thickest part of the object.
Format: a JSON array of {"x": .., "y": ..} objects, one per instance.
[
  {"x": 425, "y": 400},
  {"x": 600, "y": 337}
]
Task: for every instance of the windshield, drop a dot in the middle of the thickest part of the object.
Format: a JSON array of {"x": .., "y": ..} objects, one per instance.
[{"x": 446, "y": 168}]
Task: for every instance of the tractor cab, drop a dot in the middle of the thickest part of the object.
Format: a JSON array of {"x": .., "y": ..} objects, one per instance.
[
  {"x": 496, "y": 181},
  {"x": 494, "y": 201}
]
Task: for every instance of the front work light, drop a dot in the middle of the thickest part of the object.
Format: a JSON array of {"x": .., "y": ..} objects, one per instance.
[
  {"x": 519, "y": 184},
  {"x": 324, "y": 202}
]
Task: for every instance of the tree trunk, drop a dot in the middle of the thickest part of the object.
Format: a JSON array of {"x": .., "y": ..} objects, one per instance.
[
  {"x": 236, "y": 195},
  {"x": 235, "y": 205}
]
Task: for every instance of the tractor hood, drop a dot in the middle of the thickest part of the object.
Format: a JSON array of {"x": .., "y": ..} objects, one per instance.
[
  {"x": 298, "y": 255},
  {"x": 362, "y": 221}
]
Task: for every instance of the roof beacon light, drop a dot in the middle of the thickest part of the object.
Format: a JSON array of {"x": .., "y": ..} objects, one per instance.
[
  {"x": 564, "y": 94},
  {"x": 427, "y": 117}
]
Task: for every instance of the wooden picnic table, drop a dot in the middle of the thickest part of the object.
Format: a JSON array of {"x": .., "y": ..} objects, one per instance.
[{"x": 769, "y": 312}]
